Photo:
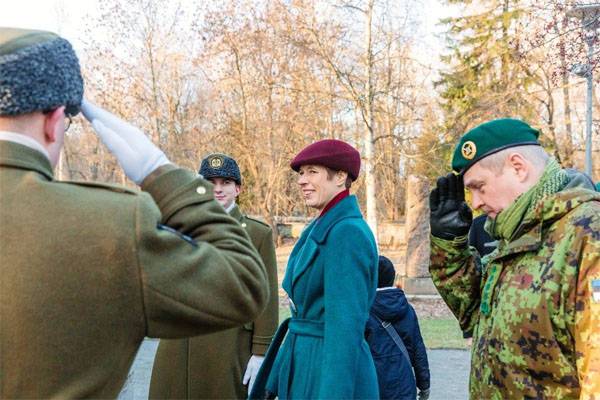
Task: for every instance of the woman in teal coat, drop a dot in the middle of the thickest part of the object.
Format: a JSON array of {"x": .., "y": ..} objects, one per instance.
[{"x": 331, "y": 280}]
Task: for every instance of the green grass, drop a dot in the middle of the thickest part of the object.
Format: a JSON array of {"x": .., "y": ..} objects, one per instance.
[
  {"x": 438, "y": 333},
  {"x": 284, "y": 312},
  {"x": 442, "y": 333}
]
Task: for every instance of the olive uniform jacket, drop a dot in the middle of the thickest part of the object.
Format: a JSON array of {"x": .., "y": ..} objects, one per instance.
[
  {"x": 212, "y": 366},
  {"x": 87, "y": 270}
]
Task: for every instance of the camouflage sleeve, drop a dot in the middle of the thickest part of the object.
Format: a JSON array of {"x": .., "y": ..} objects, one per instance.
[
  {"x": 456, "y": 276},
  {"x": 587, "y": 317}
]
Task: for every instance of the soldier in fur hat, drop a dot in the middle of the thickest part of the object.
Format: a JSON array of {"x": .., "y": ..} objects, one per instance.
[
  {"x": 89, "y": 269},
  {"x": 222, "y": 365}
]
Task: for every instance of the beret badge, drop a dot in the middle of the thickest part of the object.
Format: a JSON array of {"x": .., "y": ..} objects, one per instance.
[{"x": 469, "y": 150}]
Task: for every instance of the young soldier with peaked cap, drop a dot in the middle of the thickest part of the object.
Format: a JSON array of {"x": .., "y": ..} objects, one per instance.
[
  {"x": 88, "y": 269},
  {"x": 532, "y": 307},
  {"x": 222, "y": 365}
]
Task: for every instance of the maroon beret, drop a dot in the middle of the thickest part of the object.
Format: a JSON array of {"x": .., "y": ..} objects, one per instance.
[{"x": 330, "y": 153}]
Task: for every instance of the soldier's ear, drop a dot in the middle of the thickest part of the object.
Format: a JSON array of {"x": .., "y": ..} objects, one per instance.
[
  {"x": 54, "y": 125},
  {"x": 519, "y": 166},
  {"x": 238, "y": 189}
]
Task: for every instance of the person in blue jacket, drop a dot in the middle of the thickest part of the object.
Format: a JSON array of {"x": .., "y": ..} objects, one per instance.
[
  {"x": 331, "y": 279},
  {"x": 394, "y": 365}
]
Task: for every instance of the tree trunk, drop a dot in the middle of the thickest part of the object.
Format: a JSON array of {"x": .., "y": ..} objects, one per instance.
[
  {"x": 368, "y": 139},
  {"x": 567, "y": 153}
]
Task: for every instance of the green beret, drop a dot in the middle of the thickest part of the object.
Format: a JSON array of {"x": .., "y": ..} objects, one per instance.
[
  {"x": 490, "y": 138},
  {"x": 39, "y": 71}
]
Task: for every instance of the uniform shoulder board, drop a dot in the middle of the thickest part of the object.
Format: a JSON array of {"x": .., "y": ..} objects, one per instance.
[
  {"x": 259, "y": 221},
  {"x": 166, "y": 228},
  {"x": 106, "y": 186}
]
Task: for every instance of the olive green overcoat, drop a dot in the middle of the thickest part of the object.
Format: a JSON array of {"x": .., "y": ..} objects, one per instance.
[
  {"x": 212, "y": 366},
  {"x": 87, "y": 270}
]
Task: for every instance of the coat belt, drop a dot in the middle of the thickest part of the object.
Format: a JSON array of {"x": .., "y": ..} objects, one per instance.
[{"x": 306, "y": 327}]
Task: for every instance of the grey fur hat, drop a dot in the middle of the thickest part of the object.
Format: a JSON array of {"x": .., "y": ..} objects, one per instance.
[
  {"x": 39, "y": 71},
  {"x": 220, "y": 166}
]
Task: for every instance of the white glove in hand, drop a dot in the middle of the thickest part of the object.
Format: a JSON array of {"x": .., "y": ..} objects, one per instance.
[
  {"x": 135, "y": 152},
  {"x": 252, "y": 370}
]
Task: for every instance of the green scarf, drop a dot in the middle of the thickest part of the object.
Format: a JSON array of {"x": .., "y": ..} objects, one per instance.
[
  {"x": 506, "y": 223},
  {"x": 504, "y": 227}
]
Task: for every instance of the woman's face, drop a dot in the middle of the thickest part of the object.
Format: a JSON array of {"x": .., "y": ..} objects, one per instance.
[{"x": 317, "y": 189}]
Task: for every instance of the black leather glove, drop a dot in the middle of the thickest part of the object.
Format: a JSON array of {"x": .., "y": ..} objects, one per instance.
[{"x": 450, "y": 215}]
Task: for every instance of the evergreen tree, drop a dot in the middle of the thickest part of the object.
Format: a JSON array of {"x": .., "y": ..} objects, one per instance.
[{"x": 487, "y": 77}]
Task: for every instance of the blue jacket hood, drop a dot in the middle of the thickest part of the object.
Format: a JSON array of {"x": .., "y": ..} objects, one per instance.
[{"x": 390, "y": 304}]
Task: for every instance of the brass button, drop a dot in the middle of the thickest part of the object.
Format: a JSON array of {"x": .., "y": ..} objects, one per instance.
[
  {"x": 243, "y": 224},
  {"x": 201, "y": 190}
]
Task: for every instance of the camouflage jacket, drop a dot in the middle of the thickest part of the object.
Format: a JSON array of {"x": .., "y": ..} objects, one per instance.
[{"x": 535, "y": 309}]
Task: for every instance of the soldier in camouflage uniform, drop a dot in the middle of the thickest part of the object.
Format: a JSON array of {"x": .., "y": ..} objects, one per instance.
[{"x": 534, "y": 305}]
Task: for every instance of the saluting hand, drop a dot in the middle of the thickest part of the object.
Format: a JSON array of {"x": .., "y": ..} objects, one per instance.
[
  {"x": 450, "y": 215},
  {"x": 136, "y": 154}
]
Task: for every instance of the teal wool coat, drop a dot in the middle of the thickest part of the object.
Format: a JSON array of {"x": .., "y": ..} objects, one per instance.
[{"x": 331, "y": 280}]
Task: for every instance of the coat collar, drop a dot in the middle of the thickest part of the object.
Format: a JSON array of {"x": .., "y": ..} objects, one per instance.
[
  {"x": 236, "y": 213},
  {"x": 19, "y": 156},
  {"x": 346, "y": 208},
  {"x": 314, "y": 234}
]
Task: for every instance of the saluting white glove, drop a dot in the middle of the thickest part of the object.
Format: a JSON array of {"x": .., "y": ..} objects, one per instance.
[
  {"x": 136, "y": 153},
  {"x": 252, "y": 370}
]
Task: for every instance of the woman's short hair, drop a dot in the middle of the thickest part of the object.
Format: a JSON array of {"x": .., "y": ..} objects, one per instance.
[{"x": 331, "y": 173}]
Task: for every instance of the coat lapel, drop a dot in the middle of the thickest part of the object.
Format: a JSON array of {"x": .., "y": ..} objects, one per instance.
[
  {"x": 295, "y": 260},
  {"x": 316, "y": 233}
]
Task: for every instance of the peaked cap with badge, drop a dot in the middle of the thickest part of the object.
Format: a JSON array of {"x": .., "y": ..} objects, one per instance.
[
  {"x": 219, "y": 165},
  {"x": 489, "y": 138},
  {"x": 39, "y": 71}
]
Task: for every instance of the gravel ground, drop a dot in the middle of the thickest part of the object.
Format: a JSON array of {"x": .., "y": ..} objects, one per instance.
[
  {"x": 430, "y": 306},
  {"x": 449, "y": 373}
]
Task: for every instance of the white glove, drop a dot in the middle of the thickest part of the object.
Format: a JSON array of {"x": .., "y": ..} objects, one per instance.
[
  {"x": 137, "y": 155},
  {"x": 252, "y": 370}
]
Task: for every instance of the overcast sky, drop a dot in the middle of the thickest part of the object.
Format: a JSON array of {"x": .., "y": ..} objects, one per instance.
[{"x": 68, "y": 17}]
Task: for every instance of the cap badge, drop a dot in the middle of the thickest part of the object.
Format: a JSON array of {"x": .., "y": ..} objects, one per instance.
[
  {"x": 216, "y": 162},
  {"x": 469, "y": 150}
]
